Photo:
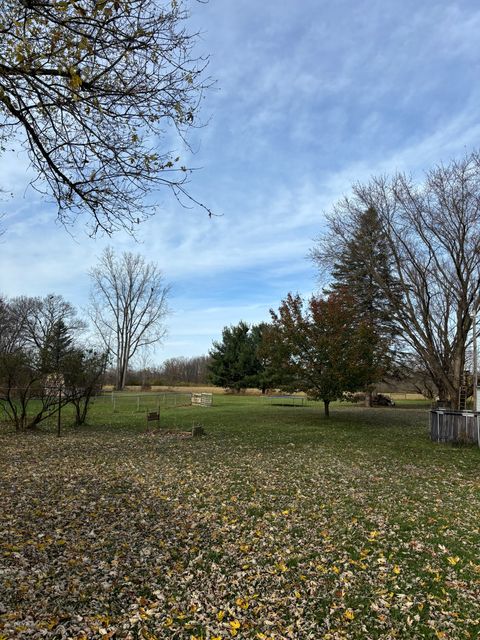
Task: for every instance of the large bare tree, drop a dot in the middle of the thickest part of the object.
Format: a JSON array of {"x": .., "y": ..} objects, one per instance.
[
  {"x": 93, "y": 90},
  {"x": 432, "y": 234},
  {"x": 128, "y": 306}
]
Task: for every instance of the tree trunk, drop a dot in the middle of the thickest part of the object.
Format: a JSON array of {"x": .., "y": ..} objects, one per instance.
[
  {"x": 368, "y": 398},
  {"x": 457, "y": 378},
  {"x": 32, "y": 425},
  {"x": 448, "y": 385},
  {"x": 326, "y": 406},
  {"x": 81, "y": 408},
  {"x": 123, "y": 374},
  {"x": 20, "y": 421},
  {"x": 81, "y": 416}
]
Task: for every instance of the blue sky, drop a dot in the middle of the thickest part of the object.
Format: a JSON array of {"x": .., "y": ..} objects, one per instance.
[{"x": 310, "y": 97}]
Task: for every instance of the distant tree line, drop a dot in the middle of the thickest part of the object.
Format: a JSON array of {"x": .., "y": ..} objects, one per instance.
[{"x": 173, "y": 371}]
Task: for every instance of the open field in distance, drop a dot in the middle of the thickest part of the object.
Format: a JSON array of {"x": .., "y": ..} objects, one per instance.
[{"x": 250, "y": 392}]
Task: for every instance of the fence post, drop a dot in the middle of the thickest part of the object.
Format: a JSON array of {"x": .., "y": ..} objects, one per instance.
[{"x": 59, "y": 416}]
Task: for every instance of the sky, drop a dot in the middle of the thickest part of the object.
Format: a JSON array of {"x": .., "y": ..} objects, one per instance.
[{"x": 310, "y": 97}]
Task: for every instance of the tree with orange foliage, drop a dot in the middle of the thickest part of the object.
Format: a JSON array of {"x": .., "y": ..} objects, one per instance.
[{"x": 321, "y": 348}]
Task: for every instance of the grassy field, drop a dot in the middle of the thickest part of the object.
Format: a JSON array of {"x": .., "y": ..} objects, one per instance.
[
  {"x": 251, "y": 392},
  {"x": 276, "y": 524}
]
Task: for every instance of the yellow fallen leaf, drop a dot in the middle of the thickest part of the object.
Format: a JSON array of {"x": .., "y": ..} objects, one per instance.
[
  {"x": 349, "y": 615},
  {"x": 52, "y": 623},
  {"x": 242, "y": 603}
]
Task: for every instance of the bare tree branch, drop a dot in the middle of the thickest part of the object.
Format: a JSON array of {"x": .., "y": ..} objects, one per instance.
[{"x": 94, "y": 88}]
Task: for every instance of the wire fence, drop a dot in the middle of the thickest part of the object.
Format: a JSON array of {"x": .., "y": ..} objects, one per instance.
[
  {"x": 111, "y": 408},
  {"x": 142, "y": 403},
  {"x": 164, "y": 410}
]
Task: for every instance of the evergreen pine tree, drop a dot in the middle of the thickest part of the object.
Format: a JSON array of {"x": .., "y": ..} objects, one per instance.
[
  {"x": 235, "y": 361},
  {"x": 352, "y": 272},
  {"x": 363, "y": 255},
  {"x": 57, "y": 346}
]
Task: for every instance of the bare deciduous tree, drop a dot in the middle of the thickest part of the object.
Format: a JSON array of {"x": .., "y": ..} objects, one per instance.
[
  {"x": 42, "y": 315},
  {"x": 13, "y": 317},
  {"x": 128, "y": 306},
  {"x": 26, "y": 322},
  {"x": 91, "y": 88},
  {"x": 184, "y": 370},
  {"x": 432, "y": 232},
  {"x": 23, "y": 385},
  {"x": 85, "y": 370}
]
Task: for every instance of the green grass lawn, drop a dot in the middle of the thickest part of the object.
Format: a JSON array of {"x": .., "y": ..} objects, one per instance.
[{"x": 276, "y": 524}]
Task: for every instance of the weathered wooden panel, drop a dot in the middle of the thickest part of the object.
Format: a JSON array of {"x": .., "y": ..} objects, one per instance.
[{"x": 454, "y": 426}]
